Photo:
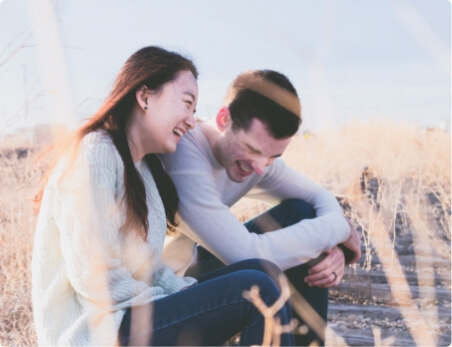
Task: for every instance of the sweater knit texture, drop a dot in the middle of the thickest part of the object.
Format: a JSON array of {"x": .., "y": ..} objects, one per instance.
[
  {"x": 206, "y": 193},
  {"x": 85, "y": 271}
]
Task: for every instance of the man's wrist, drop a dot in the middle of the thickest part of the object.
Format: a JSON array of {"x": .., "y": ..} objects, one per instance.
[{"x": 348, "y": 254}]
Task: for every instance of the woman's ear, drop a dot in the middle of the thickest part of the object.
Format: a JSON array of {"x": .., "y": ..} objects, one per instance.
[
  {"x": 142, "y": 98},
  {"x": 223, "y": 118}
]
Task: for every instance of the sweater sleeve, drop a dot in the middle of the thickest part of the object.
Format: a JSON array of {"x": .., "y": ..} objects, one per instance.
[
  {"x": 165, "y": 277},
  {"x": 89, "y": 220}
]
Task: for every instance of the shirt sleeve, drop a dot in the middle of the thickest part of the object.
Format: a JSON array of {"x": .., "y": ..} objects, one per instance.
[
  {"x": 280, "y": 182},
  {"x": 209, "y": 222}
]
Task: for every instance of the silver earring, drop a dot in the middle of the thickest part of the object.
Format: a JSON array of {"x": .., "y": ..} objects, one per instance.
[{"x": 145, "y": 108}]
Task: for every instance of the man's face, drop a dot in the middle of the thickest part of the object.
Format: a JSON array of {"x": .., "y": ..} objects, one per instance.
[{"x": 243, "y": 152}]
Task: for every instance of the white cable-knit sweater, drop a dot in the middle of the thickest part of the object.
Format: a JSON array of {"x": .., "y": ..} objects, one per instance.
[{"x": 86, "y": 272}]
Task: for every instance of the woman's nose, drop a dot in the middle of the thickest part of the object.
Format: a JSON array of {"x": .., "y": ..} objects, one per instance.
[{"x": 190, "y": 121}]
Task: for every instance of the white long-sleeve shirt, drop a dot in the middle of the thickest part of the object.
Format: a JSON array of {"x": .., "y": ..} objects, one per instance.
[
  {"x": 85, "y": 272},
  {"x": 206, "y": 193}
]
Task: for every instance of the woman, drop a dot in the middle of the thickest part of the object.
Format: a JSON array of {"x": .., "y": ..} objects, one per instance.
[{"x": 107, "y": 202}]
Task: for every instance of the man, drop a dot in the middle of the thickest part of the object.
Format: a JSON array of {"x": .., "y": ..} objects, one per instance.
[{"x": 236, "y": 154}]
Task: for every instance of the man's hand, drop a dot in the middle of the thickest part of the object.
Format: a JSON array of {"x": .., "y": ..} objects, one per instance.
[
  {"x": 352, "y": 245},
  {"x": 328, "y": 272}
]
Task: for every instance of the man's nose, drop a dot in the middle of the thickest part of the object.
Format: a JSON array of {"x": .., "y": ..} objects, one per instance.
[{"x": 259, "y": 165}]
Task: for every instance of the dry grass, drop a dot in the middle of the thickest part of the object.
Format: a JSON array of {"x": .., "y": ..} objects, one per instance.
[
  {"x": 406, "y": 173},
  {"x": 409, "y": 190},
  {"x": 17, "y": 220}
]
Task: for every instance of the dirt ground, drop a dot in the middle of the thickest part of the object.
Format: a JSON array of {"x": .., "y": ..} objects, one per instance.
[{"x": 366, "y": 311}]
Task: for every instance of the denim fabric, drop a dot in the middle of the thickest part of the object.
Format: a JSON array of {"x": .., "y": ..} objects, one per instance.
[
  {"x": 211, "y": 312},
  {"x": 286, "y": 213}
]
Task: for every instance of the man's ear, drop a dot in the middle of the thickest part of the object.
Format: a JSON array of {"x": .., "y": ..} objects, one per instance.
[
  {"x": 142, "y": 98},
  {"x": 223, "y": 118}
]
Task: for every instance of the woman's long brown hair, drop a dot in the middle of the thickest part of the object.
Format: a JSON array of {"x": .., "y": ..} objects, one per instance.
[{"x": 151, "y": 67}]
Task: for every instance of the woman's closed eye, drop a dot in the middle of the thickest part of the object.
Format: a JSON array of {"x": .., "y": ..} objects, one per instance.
[{"x": 190, "y": 103}]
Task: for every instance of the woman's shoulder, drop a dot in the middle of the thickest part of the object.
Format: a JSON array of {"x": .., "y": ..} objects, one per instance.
[
  {"x": 98, "y": 148},
  {"x": 96, "y": 138}
]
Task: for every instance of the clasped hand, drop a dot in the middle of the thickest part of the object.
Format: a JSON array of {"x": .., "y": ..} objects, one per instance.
[{"x": 328, "y": 272}]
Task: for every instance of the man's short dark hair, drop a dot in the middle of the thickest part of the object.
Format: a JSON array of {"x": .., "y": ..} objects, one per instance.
[{"x": 245, "y": 104}]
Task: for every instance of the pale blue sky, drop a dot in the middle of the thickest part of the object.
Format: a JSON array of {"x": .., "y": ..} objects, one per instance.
[{"x": 348, "y": 59}]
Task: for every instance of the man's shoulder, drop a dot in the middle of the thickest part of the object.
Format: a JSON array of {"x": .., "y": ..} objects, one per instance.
[
  {"x": 192, "y": 150},
  {"x": 193, "y": 140}
]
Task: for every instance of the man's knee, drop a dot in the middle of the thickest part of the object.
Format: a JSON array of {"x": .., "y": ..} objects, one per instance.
[{"x": 299, "y": 207}]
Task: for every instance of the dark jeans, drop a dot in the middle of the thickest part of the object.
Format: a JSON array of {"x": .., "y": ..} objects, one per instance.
[
  {"x": 287, "y": 213},
  {"x": 211, "y": 312}
]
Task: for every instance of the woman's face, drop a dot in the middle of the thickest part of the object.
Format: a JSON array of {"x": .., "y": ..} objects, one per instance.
[{"x": 169, "y": 114}]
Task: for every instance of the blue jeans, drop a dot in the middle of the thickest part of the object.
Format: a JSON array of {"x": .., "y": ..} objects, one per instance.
[
  {"x": 286, "y": 213},
  {"x": 211, "y": 312}
]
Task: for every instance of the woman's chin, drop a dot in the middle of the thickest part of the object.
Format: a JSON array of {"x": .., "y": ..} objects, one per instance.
[{"x": 171, "y": 149}]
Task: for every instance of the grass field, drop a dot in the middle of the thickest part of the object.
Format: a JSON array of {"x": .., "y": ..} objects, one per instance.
[{"x": 392, "y": 179}]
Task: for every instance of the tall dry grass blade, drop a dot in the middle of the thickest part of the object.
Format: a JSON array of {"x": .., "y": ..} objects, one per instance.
[
  {"x": 399, "y": 287},
  {"x": 272, "y": 327}
]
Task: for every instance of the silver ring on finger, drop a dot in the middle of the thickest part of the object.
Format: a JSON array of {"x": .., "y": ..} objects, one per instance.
[{"x": 335, "y": 276}]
